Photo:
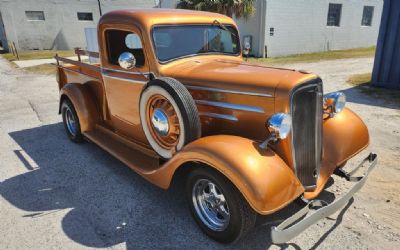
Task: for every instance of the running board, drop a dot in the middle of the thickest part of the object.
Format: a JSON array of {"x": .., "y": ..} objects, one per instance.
[{"x": 138, "y": 160}]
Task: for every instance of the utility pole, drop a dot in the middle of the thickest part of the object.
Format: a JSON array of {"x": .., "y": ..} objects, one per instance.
[{"x": 98, "y": 1}]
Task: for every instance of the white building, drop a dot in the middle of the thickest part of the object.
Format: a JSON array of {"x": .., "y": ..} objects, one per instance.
[
  {"x": 55, "y": 24},
  {"x": 278, "y": 28},
  {"x": 284, "y": 27}
]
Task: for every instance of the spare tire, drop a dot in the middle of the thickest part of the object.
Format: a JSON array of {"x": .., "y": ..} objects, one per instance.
[{"x": 169, "y": 116}]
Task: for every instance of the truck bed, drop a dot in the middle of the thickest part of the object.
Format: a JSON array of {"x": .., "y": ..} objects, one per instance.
[{"x": 78, "y": 69}]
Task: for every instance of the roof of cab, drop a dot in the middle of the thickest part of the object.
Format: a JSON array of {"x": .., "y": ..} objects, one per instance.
[{"x": 150, "y": 17}]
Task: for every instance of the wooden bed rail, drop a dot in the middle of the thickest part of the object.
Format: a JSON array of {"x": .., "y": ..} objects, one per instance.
[
  {"x": 77, "y": 63},
  {"x": 80, "y": 52}
]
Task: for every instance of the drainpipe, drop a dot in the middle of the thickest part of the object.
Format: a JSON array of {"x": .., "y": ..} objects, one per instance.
[
  {"x": 262, "y": 22},
  {"x": 98, "y": 1}
]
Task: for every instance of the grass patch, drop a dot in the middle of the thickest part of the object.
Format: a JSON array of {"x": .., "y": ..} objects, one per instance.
[
  {"x": 38, "y": 54},
  {"x": 318, "y": 56},
  {"x": 360, "y": 79},
  {"x": 44, "y": 69}
]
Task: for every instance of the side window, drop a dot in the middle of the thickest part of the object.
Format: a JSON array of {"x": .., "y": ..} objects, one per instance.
[
  {"x": 368, "y": 13},
  {"x": 334, "y": 14},
  {"x": 118, "y": 41},
  {"x": 132, "y": 41}
]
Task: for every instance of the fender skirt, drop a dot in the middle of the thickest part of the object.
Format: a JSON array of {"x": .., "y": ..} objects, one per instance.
[
  {"x": 84, "y": 104},
  {"x": 264, "y": 179}
]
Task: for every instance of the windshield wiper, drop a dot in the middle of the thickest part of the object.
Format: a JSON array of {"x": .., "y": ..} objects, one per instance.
[{"x": 224, "y": 27}]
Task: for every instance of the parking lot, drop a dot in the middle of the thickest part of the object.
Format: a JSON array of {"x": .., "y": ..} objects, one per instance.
[{"x": 56, "y": 194}]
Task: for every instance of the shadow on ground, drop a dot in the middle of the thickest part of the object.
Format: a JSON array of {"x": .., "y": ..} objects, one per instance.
[
  {"x": 372, "y": 96},
  {"x": 107, "y": 203}
]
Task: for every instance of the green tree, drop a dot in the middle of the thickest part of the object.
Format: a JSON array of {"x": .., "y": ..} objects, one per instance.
[{"x": 239, "y": 8}]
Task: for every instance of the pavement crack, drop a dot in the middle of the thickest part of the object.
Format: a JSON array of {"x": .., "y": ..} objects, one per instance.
[{"x": 35, "y": 111}]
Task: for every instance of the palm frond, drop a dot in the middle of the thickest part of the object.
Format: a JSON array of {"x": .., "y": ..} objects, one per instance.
[{"x": 239, "y": 8}]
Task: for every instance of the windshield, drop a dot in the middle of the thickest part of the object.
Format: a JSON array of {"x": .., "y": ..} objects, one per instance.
[{"x": 172, "y": 42}]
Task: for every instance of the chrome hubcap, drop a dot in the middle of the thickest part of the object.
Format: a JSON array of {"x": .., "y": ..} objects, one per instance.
[
  {"x": 210, "y": 205},
  {"x": 159, "y": 121},
  {"x": 70, "y": 120}
]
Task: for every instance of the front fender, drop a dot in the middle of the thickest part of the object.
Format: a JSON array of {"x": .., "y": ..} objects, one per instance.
[
  {"x": 345, "y": 135},
  {"x": 264, "y": 179},
  {"x": 84, "y": 104}
]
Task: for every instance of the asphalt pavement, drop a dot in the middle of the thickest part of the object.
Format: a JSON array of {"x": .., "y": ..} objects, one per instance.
[{"x": 59, "y": 195}]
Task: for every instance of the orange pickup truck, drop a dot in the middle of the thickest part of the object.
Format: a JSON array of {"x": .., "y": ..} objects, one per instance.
[{"x": 172, "y": 97}]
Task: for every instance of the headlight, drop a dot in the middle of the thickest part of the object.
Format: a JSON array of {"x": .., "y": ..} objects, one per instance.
[
  {"x": 280, "y": 125},
  {"x": 335, "y": 102}
]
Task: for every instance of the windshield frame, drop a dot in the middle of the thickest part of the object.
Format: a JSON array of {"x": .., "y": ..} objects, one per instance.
[{"x": 236, "y": 33}]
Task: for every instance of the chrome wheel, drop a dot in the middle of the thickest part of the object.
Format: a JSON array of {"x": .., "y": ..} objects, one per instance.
[
  {"x": 210, "y": 205},
  {"x": 70, "y": 121}
]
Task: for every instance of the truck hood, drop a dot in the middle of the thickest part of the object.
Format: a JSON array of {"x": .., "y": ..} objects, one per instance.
[{"x": 236, "y": 75}]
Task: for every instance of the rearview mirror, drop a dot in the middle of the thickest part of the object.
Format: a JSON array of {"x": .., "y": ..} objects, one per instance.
[{"x": 127, "y": 60}]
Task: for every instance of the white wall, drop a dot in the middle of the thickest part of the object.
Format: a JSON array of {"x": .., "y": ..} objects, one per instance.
[
  {"x": 300, "y": 26},
  {"x": 170, "y": 4},
  {"x": 109, "y": 5},
  {"x": 61, "y": 28}
]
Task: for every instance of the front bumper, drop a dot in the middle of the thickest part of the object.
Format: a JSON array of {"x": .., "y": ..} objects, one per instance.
[{"x": 296, "y": 224}]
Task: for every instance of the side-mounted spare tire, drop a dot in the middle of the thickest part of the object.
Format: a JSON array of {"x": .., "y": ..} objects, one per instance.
[{"x": 169, "y": 116}]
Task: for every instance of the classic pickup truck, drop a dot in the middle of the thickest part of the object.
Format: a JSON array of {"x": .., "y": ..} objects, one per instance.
[{"x": 172, "y": 97}]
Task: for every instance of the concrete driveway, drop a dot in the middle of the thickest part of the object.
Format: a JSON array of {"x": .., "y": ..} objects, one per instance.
[{"x": 56, "y": 194}]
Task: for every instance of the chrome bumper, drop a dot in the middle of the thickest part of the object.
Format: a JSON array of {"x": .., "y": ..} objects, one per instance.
[{"x": 296, "y": 224}]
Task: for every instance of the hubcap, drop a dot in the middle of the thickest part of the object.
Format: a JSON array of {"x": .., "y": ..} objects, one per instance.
[
  {"x": 70, "y": 120},
  {"x": 163, "y": 121},
  {"x": 160, "y": 122},
  {"x": 210, "y": 205}
]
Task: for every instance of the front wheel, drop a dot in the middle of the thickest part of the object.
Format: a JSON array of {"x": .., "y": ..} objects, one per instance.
[{"x": 217, "y": 206}]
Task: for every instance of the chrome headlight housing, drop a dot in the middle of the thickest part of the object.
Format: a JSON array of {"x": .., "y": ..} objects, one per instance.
[
  {"x": 334, "y": 102},
  {"x": 280, "y": 125}
]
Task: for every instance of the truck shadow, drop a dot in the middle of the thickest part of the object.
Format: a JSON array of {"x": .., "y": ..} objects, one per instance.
[
  {"x": 104, "y": 202},
  {"x": 373, "y": 96}
]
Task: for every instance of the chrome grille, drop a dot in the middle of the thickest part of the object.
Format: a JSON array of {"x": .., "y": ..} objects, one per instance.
[{"x": 306, "y": 111}]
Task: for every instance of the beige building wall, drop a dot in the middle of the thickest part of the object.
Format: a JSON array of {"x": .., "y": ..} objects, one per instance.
[{"x": 61, "y": 28}]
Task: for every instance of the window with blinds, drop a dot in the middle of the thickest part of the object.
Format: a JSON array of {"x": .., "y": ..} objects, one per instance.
[
  {"x": 368, "y": 13},
  {"x": 334, "y": 14},
  {"x": 34, "y": 15},
  {"x": 85, "y": 16}
]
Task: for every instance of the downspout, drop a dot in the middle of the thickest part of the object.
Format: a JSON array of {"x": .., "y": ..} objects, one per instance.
[
  {"x": 100, "y": 12},
  {"x": 262, "y": 21}
]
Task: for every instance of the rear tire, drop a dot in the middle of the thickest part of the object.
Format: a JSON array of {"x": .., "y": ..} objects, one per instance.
[
  {"x": 225, "y": 224},
  {"x": 71, "y": 121}
]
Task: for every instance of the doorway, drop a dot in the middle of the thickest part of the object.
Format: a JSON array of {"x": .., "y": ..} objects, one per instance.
[{"x": 3, "y": 38}]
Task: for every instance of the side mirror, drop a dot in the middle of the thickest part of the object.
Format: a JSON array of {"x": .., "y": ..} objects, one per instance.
[
  {"x": 246, "y": 49},
  {"x": 127, "y": 60}
]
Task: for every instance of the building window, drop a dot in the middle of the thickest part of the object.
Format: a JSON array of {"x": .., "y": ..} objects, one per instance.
[
  {"x": 85, "y": 16},
  {"x": 368, "y": 13},
  {"x": 334, "y": 14},
  {"x": 34, "y": 15}
]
